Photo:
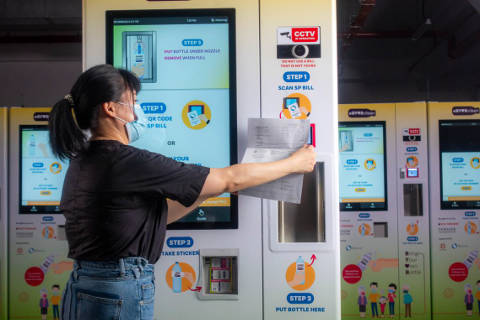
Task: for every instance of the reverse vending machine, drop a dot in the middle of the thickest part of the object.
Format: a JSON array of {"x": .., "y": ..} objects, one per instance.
[
  {"x": 206, "y": 67},
  {"x": 383, "y": 178},
  {"x": 454, "y": 132},
  {"x": 38, "y": 267}
]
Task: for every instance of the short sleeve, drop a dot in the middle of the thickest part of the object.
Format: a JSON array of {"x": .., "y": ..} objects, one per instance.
[{"x": 137, "y": 170}]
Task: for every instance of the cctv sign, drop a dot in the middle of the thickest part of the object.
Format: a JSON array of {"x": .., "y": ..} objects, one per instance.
[
  {"x": 298, "y": 35},
  {"x": 298, "y": 42}
]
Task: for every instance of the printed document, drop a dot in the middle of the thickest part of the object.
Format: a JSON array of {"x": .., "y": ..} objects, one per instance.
[{"x": 271, "y": 140}]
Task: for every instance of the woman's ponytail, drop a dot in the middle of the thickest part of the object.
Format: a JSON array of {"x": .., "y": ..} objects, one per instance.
[{"x": 66, "y": 138}]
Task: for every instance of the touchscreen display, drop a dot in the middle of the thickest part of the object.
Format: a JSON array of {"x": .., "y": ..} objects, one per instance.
[
  {"x": 185, "y": 60},
  {"x": 41, "y": 174},
  {"x": 460, "y": 164},
  {"x": 362, "y": 166}
]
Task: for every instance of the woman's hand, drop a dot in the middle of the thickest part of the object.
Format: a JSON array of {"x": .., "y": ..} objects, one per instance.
[{"x": 303, "y": 160}]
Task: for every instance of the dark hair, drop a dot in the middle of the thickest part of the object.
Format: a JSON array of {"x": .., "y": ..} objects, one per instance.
[
  {"x": 393, "y": 285},
  {"x": 99, "y": 84},
  {"x": 374, "y": 284},
  {"x": 56, "y": 286}
]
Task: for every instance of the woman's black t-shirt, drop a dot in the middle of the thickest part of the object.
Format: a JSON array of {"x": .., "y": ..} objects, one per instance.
[{"x": 114, "y": 200}]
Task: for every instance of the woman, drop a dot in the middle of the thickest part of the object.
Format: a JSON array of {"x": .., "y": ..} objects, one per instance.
[{"x": 118, "y": 199}]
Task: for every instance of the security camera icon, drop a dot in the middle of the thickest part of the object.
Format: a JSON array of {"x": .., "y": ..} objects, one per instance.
[{"x": 286, "y": 34}]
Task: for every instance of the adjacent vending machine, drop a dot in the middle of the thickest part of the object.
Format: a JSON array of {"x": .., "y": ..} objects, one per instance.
[
  {"x": 384, "y": 221},
  {"x": 38, "y": 267},
  {"x": 206, "y": 67},
  {"x": 454, "y": 132}
]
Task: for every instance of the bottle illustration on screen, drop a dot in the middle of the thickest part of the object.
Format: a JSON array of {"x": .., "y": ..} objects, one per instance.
[
  {"x": 469, "y": 227},
  {"x": 32, "y": 145},
  {"x": 362, "y": 229},
  {"x": 346, "y": 141},
  {"x": 300, "y": 269},
  {"x": 139, "y": 54},
  {"x": 177, "y": 278},
  {"x": 139, "y": 65},
  {"x": 471, "y": 258}
]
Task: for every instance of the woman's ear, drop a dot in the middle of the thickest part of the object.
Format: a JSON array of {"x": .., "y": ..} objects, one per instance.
[{"x": 109, "y": 109}]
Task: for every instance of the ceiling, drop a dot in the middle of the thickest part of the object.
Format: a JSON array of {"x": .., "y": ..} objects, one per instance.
[
  {"x": 386, "y": 40},
  {"x": 379, "y": 41}
]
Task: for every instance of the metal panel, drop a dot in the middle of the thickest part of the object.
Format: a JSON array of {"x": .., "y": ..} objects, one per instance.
[{"x": 3, "y": 211}]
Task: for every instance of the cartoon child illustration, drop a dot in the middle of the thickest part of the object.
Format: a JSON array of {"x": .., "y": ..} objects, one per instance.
[
  {"x": 392, "y": 288},
  {"x": 477, "y": 296},
  {"x": 373, "y": 297},
  {"x": 468, "y": 299},
  {"x": 43, "y": 305},
  {"x": 407, "y": 300},
  {"x": 383, "y": 303},
  {"x": 362, "y": 301},
  {"x": 55, "y": 300}
]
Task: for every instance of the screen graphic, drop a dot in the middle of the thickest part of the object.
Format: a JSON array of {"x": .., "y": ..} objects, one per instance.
[
  {"x": 460, "y": 164},
  {"x": 185, "y": 60},
  {"x": 41, "y": 173},
  {"x": 362, "y": 166}
]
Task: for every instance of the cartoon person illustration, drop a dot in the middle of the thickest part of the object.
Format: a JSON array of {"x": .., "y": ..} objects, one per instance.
[
  {"x": 477, "y": 296},
  {"x": 407, "y": 300},
  {"x": 43, "y": 305},
  {"x": 383, "y": 303},
  {"x": 373, "y": 297},
  {"x": 392, "y": 289},
  {"x": 362, "y": 301},
  {"x": 468, "y": 299},
  {"x": 55, "y": 300}
]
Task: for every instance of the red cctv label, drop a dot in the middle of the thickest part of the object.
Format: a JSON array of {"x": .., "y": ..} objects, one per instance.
[
  {"x": 298, "y": 35},
  {"x": 414, "y": 131},
  {"x": 305, "y": 34}
]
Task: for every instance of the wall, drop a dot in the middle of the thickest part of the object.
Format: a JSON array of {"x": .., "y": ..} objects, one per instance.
[{"x": 37, "y": 74}]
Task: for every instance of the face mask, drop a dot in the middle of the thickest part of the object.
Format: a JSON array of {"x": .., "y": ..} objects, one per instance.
[{"x": 136, "y": 128}]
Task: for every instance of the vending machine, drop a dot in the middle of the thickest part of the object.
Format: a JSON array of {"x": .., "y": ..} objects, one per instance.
[
  {"x": 206, "y": 67},
  {"x": 298, "y": 72},
  {"x": 454, "y": 132},
  {"x": 38, "y": 267},
  {"x": 384, "y": 210},
  {"x": 3, "y": 210}
]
